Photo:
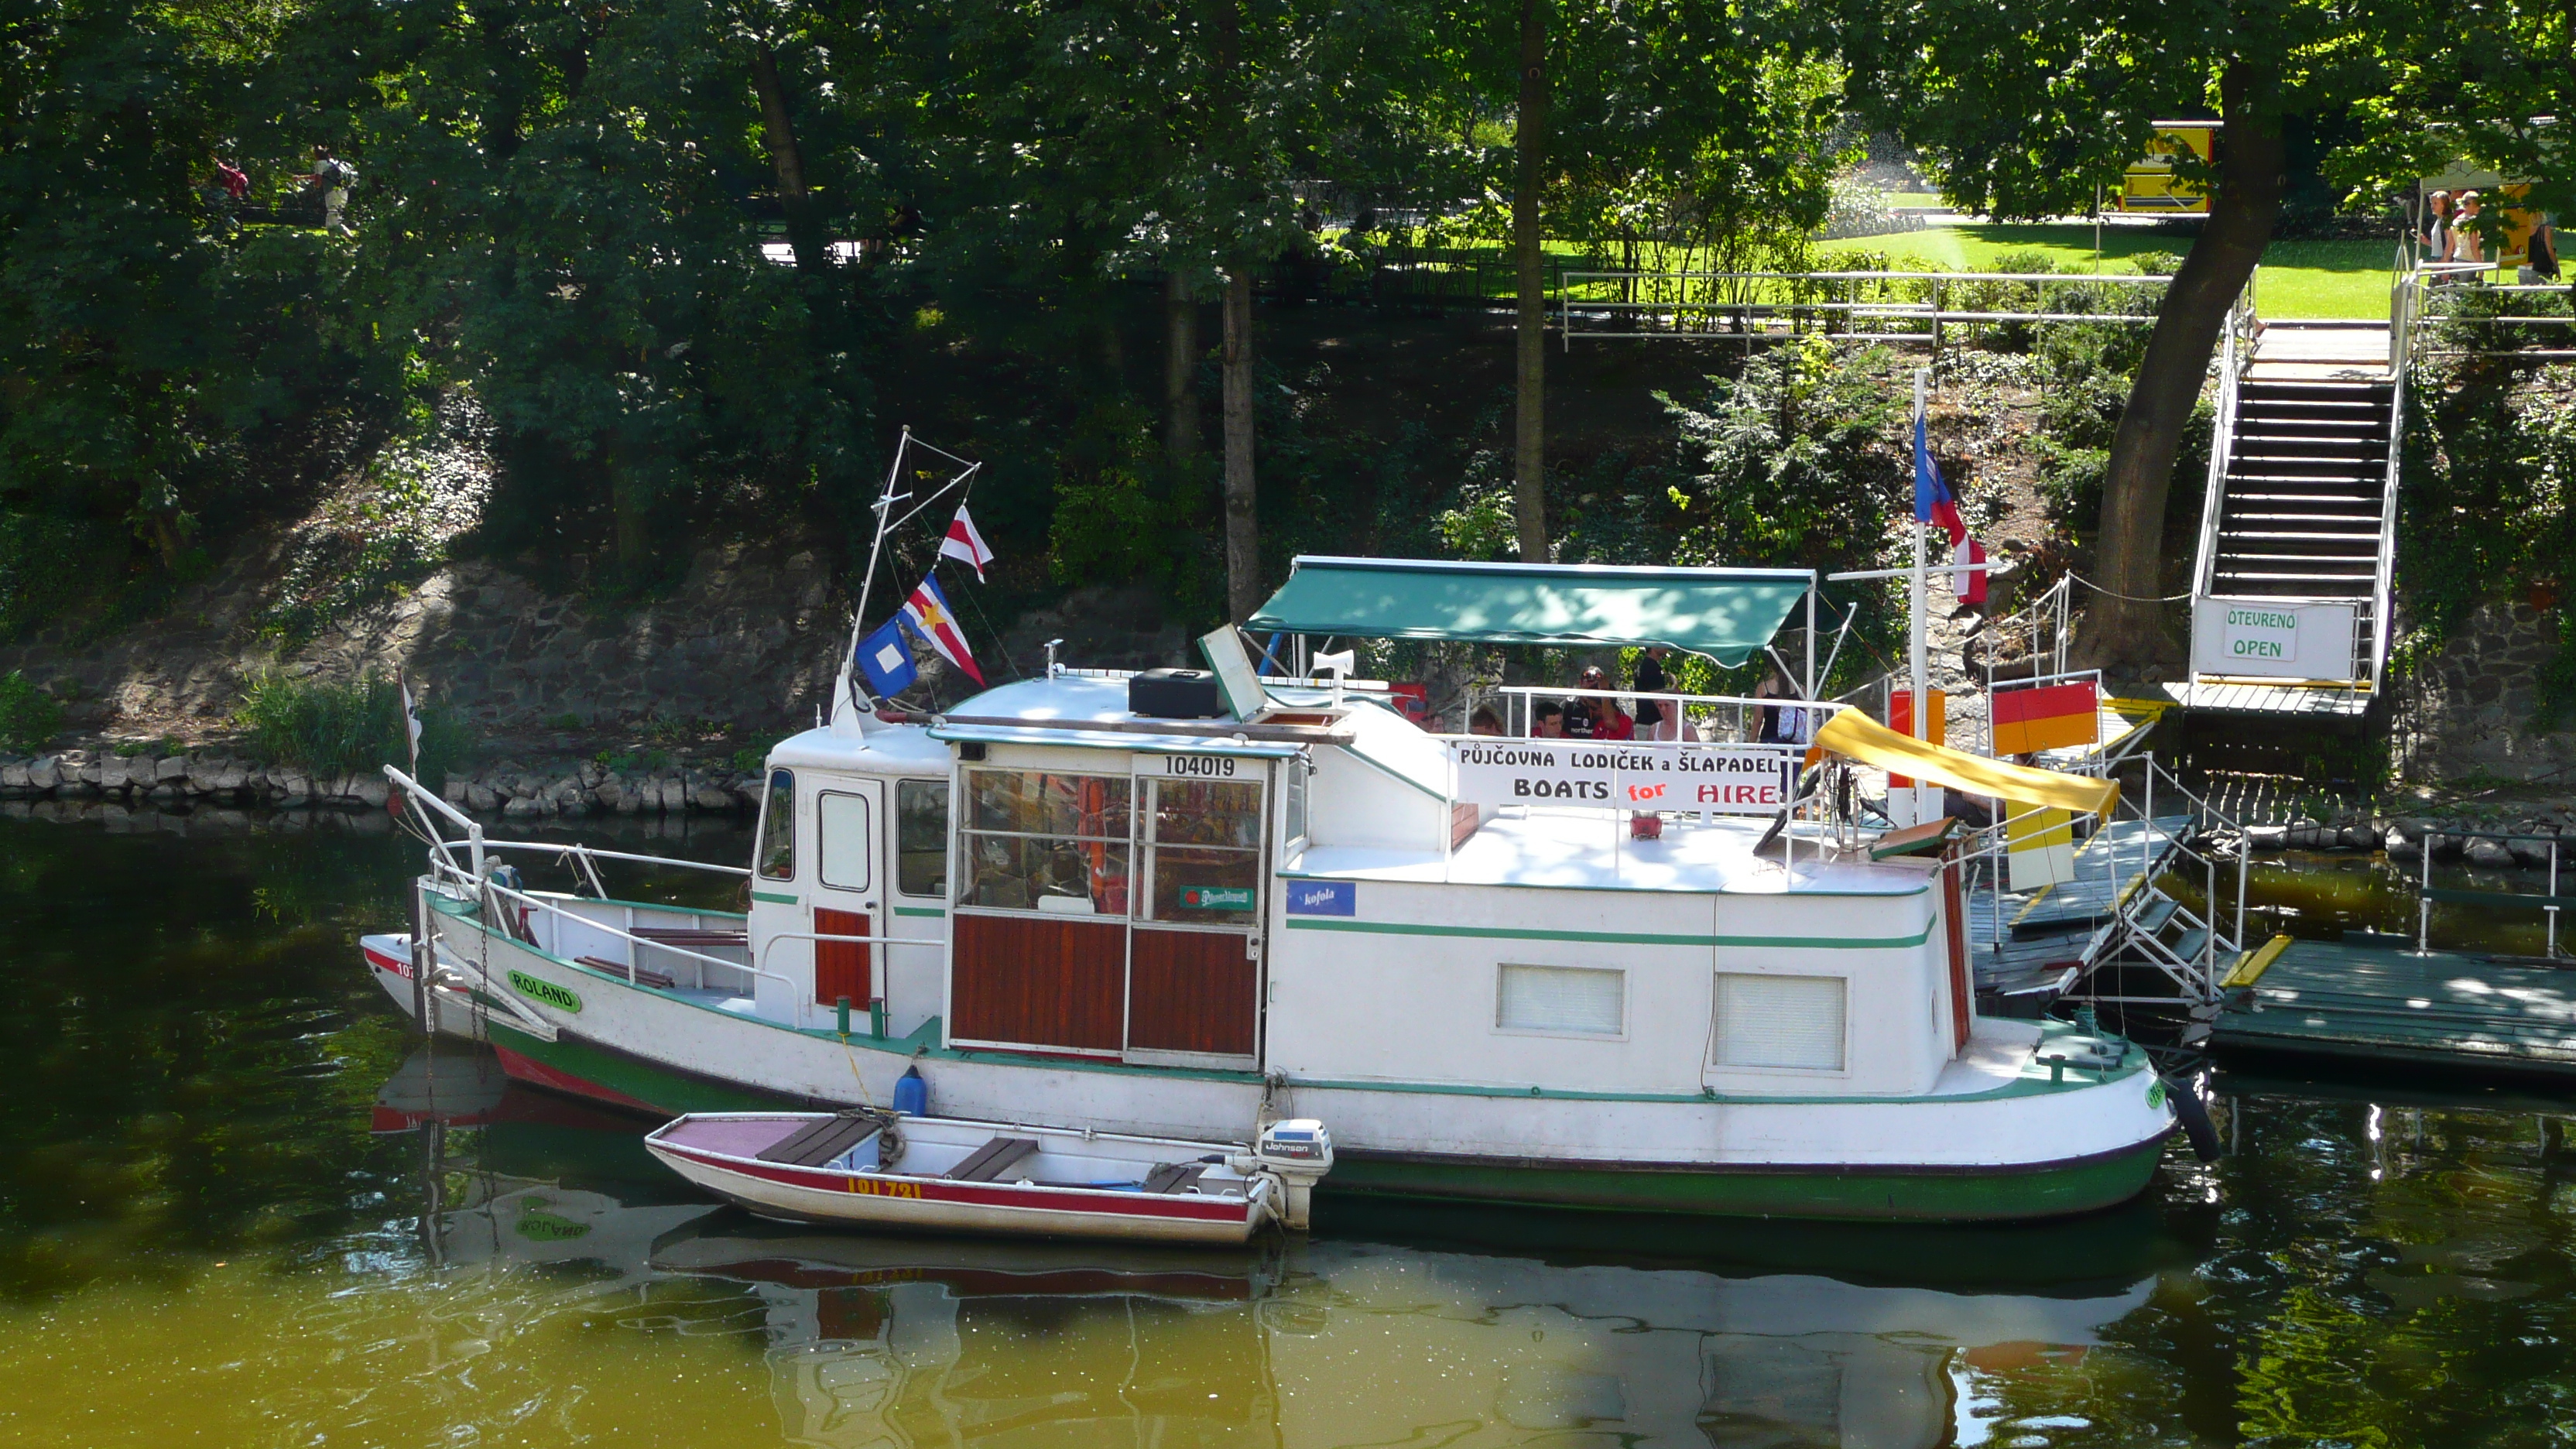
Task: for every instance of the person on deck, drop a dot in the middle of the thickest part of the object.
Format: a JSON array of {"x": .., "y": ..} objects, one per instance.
[
  {"x": 1656, "y": 720},
  {"x": 1594, "y": 714},
  {"x": 1484, "y": 721},
  {"x": 1549, "y": 720}
]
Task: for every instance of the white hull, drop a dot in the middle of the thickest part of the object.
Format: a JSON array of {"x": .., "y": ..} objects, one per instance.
[{"x": 1992, "y": 1115}]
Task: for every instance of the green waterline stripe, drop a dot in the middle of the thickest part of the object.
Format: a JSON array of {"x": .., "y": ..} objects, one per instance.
[
  {"x": 1615, "y": 938},
  {"x": 933, "y": 912},
  {"x": 776, "y": 900}
]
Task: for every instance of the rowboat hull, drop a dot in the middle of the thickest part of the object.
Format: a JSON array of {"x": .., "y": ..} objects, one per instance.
[{"x": 912, "y": 1203}]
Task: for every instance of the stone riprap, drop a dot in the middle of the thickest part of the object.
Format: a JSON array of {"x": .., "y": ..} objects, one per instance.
[{"x": 510, "y": 789}]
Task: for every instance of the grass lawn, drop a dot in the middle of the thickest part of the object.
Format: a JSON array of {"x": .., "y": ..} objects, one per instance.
[{"x": 2298, "y": 278}]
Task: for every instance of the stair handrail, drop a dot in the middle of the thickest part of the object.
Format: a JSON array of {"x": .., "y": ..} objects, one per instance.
[
  {"x": 2405, "y": 302},
  {"x": 2222, "y": 448}
]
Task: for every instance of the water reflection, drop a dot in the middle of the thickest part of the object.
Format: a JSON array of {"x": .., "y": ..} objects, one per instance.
[
  {"x": 872, "y": 1340},
  {"x": 238, "y": 1205}
]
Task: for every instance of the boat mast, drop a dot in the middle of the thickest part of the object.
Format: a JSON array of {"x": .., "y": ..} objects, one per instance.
[{"x": 884, "y": 509}]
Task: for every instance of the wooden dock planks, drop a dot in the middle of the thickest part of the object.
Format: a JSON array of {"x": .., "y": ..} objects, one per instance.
[{"x": 2382, "y": 1002}]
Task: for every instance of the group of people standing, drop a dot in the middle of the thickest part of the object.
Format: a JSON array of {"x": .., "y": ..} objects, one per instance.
[
  {"x": 2451, "y": 235},
  {"x": 1592, "y": 712}
]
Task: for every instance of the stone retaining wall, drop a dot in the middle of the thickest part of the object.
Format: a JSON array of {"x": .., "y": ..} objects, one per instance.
[
  {"x": 2469, "y": 712},
  {"x": 509, "y": 788}
]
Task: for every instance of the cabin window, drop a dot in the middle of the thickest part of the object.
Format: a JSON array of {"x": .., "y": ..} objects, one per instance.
[
  {"x": 841, "y": 840},
  {"x": 776, "y": 854},
  {"x": 1205, "y": 847},
  {"x": 1565, "y": 1000},
  {"x": 921, "y": 837},
  {"x": 1292, "y": 804},
  {"x": 1779, "y": 1021},
  {"x": 1040, "y": 841}
]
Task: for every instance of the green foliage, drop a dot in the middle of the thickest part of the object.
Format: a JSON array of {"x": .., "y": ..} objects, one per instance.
[
  {"x": 29, "y": 717},
  {"x": 328, "y": 727},
  {"x": 747, "y": 761},
  {"x": 2490, "y": 463},
  {"x": 1795, "y": 464}
]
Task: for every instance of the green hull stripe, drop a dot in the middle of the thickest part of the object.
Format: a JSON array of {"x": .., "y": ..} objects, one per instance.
[
  {"x": 1821, "y": 1193},
  {"x": 1616, "y": 938},
  {"x": 931, "y": 911},
  {"x": 775, "y": 900}
]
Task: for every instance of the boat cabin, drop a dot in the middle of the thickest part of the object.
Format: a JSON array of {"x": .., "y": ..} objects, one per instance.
[{"x": 1302, "y": 880}]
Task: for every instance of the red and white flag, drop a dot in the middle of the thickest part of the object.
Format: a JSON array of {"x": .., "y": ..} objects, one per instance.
[
  {"x": 1972, "y": 586},
  {"x": 963, "y": 542},
  {"x": 927, "y": 612}
]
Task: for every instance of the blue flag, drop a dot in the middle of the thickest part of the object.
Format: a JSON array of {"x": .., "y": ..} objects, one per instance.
[
  {"x": 1932, "y": 501},
  {"x": 885, "y": 657}
]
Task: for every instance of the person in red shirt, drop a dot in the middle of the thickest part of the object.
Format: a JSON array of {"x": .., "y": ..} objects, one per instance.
[{"x": 1595, "y": 715}]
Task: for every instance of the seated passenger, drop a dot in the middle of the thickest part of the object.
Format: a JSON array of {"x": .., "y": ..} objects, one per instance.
[
  {"x": 1594, "y": 715},
  {"x": 1550, "y": 720},
  {"x": 1484, "y": 721}
]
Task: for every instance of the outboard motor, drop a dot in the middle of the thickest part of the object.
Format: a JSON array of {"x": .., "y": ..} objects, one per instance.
[{"x": 1298, "y": 1152}]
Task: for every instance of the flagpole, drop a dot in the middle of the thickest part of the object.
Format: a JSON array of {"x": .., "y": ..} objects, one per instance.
[
  {"x": 859, "y": 616},
  {"x": 1922, "y": 578}
]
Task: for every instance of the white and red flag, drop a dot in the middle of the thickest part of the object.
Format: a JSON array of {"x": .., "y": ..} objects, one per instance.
[
  {"x": 963, "y": 542},
  {"x": 927, "y": 611}
]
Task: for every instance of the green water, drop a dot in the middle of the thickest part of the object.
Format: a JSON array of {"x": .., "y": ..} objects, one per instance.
[{"x": 212, "y": 1233}]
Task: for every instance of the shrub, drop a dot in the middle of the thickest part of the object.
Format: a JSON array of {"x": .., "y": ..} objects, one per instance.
[
  {"x": 29, "y": 717},
  {"x": 328, "y": 727}
]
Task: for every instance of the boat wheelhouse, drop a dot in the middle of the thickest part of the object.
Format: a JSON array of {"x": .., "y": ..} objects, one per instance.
[{"x": 1184, "y": 908}]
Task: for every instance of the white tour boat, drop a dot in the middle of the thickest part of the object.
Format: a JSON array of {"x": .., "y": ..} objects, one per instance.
[
  {"x": 1187, "y": 907},
  {"x": 878, "y": 1169}
]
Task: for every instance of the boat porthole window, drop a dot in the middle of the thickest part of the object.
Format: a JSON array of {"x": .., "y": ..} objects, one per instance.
[
  {"x": 1793, "y": 1022},
  {"x": 776, "y": 855},
  {"x": 841, "y": 840},
  {"x": 921, "y": 837},
  {"x": 1561, "y": 1000}
]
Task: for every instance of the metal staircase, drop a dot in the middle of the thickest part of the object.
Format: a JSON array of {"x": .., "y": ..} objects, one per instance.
[
  {"x": 2301, "y": 511},
  {"x": 2299, "y": 501}
]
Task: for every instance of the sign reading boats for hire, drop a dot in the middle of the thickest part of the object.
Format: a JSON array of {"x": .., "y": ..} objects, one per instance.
[{"x": 1722, "y": 779}]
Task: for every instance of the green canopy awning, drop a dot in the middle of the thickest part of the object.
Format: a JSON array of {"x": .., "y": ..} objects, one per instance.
[{"x": 1727, "y": 614}]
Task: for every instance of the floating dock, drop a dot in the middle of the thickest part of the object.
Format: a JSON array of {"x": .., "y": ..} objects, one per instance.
[
  {"x": 2380, "y": 1000},
  {"x": 2023, "y": 941}
]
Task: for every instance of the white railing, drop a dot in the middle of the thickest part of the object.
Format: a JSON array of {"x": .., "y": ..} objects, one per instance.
[
  {"x": 1521, "y": 722},
  {"x": 1732, "y": 304},
  {"x": 2233, "y": 360}
]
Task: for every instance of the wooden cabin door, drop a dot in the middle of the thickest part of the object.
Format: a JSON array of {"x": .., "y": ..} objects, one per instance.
[
  {"x": 849, "y": 889},
  {"x": 1194, "y": 953}
]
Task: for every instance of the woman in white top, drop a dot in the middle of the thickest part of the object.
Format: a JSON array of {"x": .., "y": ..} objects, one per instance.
[
  {"x": 2437, "y": 227},
  {"x": 2464, "y": 235}
]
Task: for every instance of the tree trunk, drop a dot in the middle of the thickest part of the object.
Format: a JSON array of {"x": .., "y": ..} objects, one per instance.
[
  {"x": 1529, "y": 431},
  {"x": 1180, "y": 372},
  {"x": 1242, "y": 531},
  {"x": 2124, "y": 626},
  {"x": 778, "y": 132}
]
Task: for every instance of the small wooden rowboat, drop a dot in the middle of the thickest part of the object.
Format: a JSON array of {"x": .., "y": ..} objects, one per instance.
[{"x": 880, "y": 1169}]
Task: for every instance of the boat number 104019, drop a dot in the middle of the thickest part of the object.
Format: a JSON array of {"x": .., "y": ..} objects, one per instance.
[{"x": 1220, "y": 767}]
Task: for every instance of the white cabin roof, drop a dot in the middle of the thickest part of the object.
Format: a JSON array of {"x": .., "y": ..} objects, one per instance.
[
  {"x": 1571, "y": 850},
  {"x": 890, "y": 750}
]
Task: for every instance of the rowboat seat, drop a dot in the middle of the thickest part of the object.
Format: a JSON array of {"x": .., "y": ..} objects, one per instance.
[
  {"x": 990, "y": 1161},
  {"x": 816, "y": 1143},
  {"x": 1174, "y": 1176}
]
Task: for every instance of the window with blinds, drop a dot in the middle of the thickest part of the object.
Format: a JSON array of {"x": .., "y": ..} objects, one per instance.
[
  {"x": 1568, "y": 1000},
  {"x": 1779, "y": 1021}
]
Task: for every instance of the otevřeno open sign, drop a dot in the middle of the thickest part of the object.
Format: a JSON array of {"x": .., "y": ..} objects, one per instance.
[{"x": 1721, "y": 779}]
